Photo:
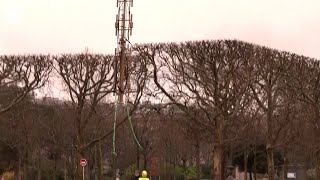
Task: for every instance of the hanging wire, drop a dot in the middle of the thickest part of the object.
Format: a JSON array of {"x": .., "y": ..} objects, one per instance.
[
  {"x": 115, "y": 126},
  {"x": 131, "y": 127}
]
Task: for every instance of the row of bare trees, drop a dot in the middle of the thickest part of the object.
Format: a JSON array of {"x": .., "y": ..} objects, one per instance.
[
  {"x": 218, "y": 83},
  {"x": 226, "y": 93},
  {"x": 73, "y": 126}
]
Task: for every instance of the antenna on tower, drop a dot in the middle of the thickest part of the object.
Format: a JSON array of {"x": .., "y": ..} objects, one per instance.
[
  {"x": 122, "y": 62},
  {"x": 123, "y": 27}
]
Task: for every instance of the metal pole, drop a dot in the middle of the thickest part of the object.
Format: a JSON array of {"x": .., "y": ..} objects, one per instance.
[
  {"x": 123, "y": 26},
  {"x": 123, "y": 52},
  {"x": 123, "y": 31},
  {"x": 82, "y": 172}
]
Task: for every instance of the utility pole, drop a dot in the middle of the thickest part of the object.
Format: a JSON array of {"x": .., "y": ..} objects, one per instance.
[{"x": 122, "y": 60}]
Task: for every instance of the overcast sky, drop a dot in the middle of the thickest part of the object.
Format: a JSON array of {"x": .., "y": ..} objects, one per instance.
[{"x": 69, "y": 26}]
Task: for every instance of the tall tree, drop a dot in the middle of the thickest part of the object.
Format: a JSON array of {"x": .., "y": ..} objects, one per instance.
[
  {"x": 306, "y": 85},
  {"x": 89, "y": 79},
  {"x": 269, "y": 90},
  {"x": 26, "y": 72}
]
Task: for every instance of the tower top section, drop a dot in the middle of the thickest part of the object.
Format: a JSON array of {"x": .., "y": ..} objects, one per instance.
[
  {"x": 124, "y": 23},
  {"x": 123, "y": 27}
]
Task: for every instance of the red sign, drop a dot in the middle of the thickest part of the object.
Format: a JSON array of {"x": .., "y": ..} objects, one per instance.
[
  {"x": 83, "y": 162},
  {"x": 155, "y": 166}
]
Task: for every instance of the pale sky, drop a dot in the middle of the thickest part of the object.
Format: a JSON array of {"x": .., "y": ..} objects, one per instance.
[{"x": 69, "y": 26}]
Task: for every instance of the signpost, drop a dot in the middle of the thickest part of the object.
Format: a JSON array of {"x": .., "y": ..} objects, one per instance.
[{"x": 83, "y": 163}]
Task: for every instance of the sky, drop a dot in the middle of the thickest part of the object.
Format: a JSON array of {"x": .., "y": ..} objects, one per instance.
[{"x": 71, "y": 26}]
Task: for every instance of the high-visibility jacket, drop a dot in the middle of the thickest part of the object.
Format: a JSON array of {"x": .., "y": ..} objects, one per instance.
[{"x": 142, "y": 178}]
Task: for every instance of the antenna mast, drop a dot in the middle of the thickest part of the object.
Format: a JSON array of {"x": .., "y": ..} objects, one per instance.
[
  {"x": 122, "y": 61},
  {"x": 123, "y": 27}
]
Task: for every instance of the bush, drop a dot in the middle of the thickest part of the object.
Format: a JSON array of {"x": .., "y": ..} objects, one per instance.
[
  {"x": 206, "y": 171},
  {"x": 129, "y": 171},
  {"x": 8, "y": 175},
  {"x": 311, "y": 173},
  {"x": 187, "y": 172}
]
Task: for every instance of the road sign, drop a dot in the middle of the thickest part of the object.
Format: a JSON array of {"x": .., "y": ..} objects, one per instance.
[{"x": 83, "y": 162}]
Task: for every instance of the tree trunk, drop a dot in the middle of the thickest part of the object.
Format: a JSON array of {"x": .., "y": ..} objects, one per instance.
[
  {"x": 305, "y": 175},
  {"x": 138, "y": 157},
  {"x": 39, "y": 173},
  {"x": 88, "y": 172},
  {"x": 270, "y": 133},
  {"x": 270, "y": 162},
  {"x": 95, "y": 168},
  {"x": 317, "y": 171},
  {"x": 65, "y": 168},
  {"x": 218, "y": 172},
  {"x": 169, "y": 168},
  {"x": 39, "y": 167},
  {"x": 100, "y": 162},
  {"x": 245, "y": 164},
  {"x": 55, "y": 169},
  {"x": 198, "y": 160},
  {"x": 285, "y": 167},
  {"x": 218, "y": 154},
  {"x": 184, "y": 164},
  {"x": 317, "y": 166},
  {"x": 73, "y": 167},
  {"x": 255, "y": 162},
  {"x": 25, "y": 174},
  {"x": 17, "y": 172},
  {"x": 174, "y": 169},
  {"x": 145, "y": 161},
  {"x": 25, "y": 166},
  {"x": 166, "y": 168}
]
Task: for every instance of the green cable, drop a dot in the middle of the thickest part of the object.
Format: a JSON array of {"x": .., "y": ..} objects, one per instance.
[
  {"x": 114, "y": 130},
  {"x": 134, "y": 135}
]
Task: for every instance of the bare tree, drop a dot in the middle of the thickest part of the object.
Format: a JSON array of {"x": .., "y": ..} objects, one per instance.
[
  {"x": 89, "y": 78},
  {"x": 175, "y": 141},
  {"x": 19, "y": 129},
  {"x": 305, "y": 84},
  {"x": 26, "y": 72},
  {"x": 269, "y": 89}
]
